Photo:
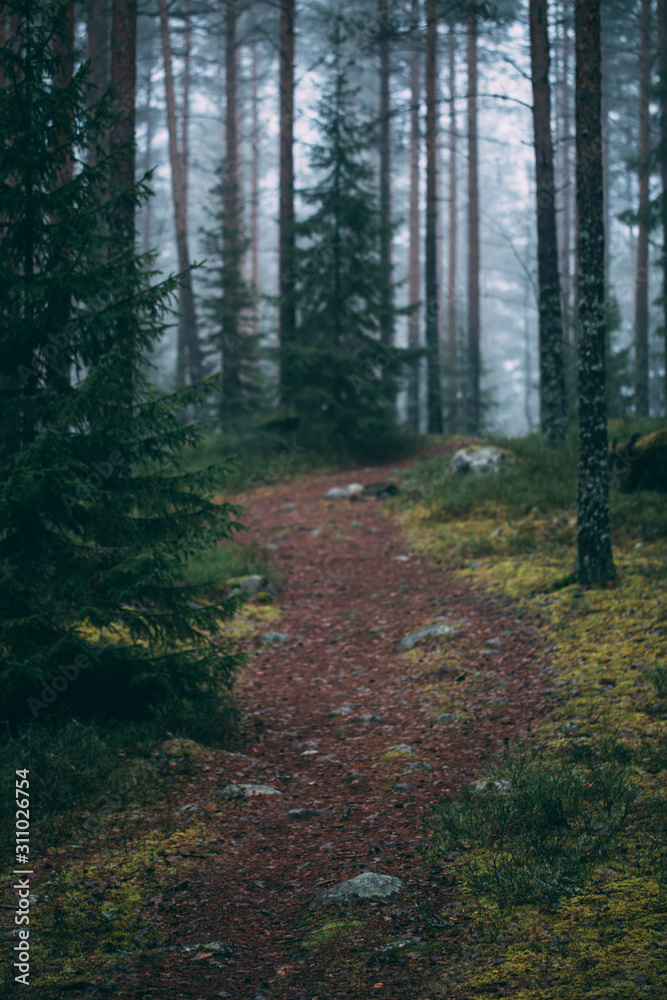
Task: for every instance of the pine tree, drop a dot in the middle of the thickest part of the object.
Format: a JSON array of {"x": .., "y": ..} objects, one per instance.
[
  {"x": 99, "y": 516},
  {"x": 343, "y": 380}
]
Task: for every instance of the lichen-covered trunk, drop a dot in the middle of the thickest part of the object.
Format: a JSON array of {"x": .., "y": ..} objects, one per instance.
[
  {"x": 595, "y": 562},
  {"x": 286, "y": 241},
  {"x": 452, "y": 373},
  {"x": 564, "y": 182},
  {"x": 644, "y": 151},
  {"x": 433, "y": 380},
  {"x": 473, "y": 408},
  {"x": 386, "y": 331},
  {"x": 414, "y": 269},
  {"x": 553, "y": 401},
  {"x": 189, "y": 351},
  {"x": 662, "y": 64}
]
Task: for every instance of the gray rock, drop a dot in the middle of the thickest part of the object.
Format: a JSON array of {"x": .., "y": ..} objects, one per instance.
[
  {"x": 394, "y": 945},
  {"x": 403, "y": 748},
  {"x": 368, "y": 885},
  {"x": 245, "y": 791},
  {"x": 445, "y": 718},
  {"x": 480, "y": 461},
  {"x": 191, "y": 807},
  {"x": 302, "y": 813},
  {"x": 500, "y": 785},
  {"x": 275, "y": 637},
  {"x": 367, "y": 718},
  {"x": 424, "y": 633},
  {"x": 417, "y": 765},
  {"x": 250, "y": 586},
  {"x": 344, "y": 492}
]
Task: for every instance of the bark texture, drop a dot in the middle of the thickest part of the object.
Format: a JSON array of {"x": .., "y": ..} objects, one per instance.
[
  {"x": 386, "y": 331},
  {"x": 414, "y": 264},
  {"x": 189, "y": 353},
  {"x": 433, "y": 380},
  {"x": 473, "y": 407},
  {"x": 98, "y": 24},
  {"x": 553, "y": 401},
  {"x": 595, "y": 562},
  {"x": 286, "y": 245},
  {"x": 644, "y": 151}
]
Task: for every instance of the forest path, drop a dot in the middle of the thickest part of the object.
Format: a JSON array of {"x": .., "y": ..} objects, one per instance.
[{"x": 322, "y": 711}]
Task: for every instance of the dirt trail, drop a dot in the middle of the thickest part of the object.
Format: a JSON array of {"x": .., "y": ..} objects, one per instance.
[{"x": 322, "y": 709}]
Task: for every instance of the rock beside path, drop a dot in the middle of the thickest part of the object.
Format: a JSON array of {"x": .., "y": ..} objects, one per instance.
[
  {"x": 271, "y": 637},
  {"x": 368, "y": 885},
  {"x": 252, "y": 586},
  {"x": 480, "y": 461},
  {"x": 244, "y": 791},
  {"x": 424, "y": 633}
]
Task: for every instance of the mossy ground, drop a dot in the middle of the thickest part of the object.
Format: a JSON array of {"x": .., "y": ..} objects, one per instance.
[{"x": 607, "y": 938}]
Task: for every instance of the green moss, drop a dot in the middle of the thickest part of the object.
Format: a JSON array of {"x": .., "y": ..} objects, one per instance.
[{"x": 329, "y": 934}]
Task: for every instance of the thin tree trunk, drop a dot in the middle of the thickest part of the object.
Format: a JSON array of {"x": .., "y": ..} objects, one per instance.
[
  {"x": 594, "y": 553},
  {"x": 433, "y": 381},
  {"x": 286, "y": 194},
  {"x": 473, "y": 414},
  {"x": 386, "y": 324},
  {"x": 414, "y": 269},
  {"x": 185, "y": 112},
  {"x": 148, "y": 159},
  {"x": 452, "y": 336},
  {"x": 553, "y": 402},
  {"x": 124, "y": 83},
  {"x": 662, "y": 56},
  {"x": 188, "y": 353},
  {"x": 254, "y": 188},
  {"x": 231, "y": 386},
  {"x": 565, "y": 180},
  {"x": 641, "y": 281}
]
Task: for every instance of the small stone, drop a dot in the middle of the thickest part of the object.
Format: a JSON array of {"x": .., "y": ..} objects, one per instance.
[
  {"x": 277, "y": 637},
  {"x": 394, "y": 945},
  {"x": 217, "y": 946},
  {"x": 445, "y": 719},
  {"x": 368, "y": 885},
  {"x": 431, "y": 630},
  {"x": 302, "y": 813},
  {"x": 480, "y": 461},
  {"x": 246, "y": 790},
  {"x": 418, "y": 766},
  {"x": 191, "y": 807},
  {"x": 402, "y": 748},
  {"x": 336, "y": 493},
  {"x": 500, "y": 785}
]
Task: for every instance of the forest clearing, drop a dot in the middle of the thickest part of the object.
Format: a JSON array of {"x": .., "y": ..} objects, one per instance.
[{"x": 333, "y": 462}]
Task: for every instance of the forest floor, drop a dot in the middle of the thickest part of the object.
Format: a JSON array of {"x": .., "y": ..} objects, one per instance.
[{"x": 194, "y": 895}]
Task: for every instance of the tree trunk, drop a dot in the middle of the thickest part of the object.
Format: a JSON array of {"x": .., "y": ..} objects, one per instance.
[
  {"x": 553, "y": 402},
  {"x": 564, "y": 181},
  {"x": 414, "y": 269},
  {"x": 452, "y": 333},
  {"x": 231, "y": 386},
  {"x": 473, "y": 414},
  {"x": 97, "y": 52},
  {"x": 188, "y": 353},
  {"x": 641, "y": 283},
  {"x": 124, "y": 83},
  {"x": 254, "y": 185},
  {"x": 434, "y": 392},
  {"x": 662, "y": 56},
  {"x": 185, "y": 112},
  {"x": 385, "y": 174},
  {"x": 594, "y": 554},
  {"x": 287, "y": 320},
  {"x": 148, "y": 159},
  {"x": 63, "y": 53}
]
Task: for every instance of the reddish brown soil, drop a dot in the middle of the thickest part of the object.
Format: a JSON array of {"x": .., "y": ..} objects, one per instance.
[{"x": 261, "y": 868}]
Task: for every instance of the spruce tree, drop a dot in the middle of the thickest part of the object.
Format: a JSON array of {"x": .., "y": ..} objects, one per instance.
[
  {"x": 228, "y": 304},
  {"x": 340, "y": 380},
  {"x": 98, "y": 514}
]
